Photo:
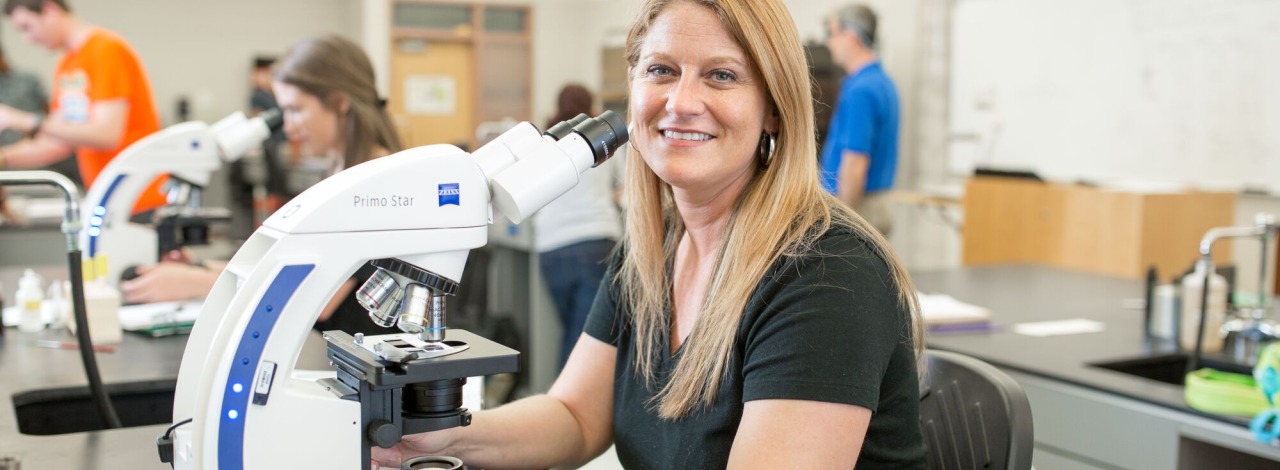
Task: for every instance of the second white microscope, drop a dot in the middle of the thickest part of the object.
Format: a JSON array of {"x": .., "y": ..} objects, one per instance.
[{"x": 190, "y": 153}]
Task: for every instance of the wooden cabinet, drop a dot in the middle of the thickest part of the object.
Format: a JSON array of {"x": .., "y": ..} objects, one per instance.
[
  {"x": 455, "y": 65},
  {"x": 1010, "y": 220}
]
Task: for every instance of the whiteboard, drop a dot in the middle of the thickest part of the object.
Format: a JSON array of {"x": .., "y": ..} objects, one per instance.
[{"x": 1179, "y": 91}]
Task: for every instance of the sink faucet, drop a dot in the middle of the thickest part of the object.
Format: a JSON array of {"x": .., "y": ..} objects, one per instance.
[{"x": 1264, "y": 228}]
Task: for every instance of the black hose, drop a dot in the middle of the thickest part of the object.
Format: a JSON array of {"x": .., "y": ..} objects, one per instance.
[
  {"x": 99, "y": 392},
  {"x": 71, "y": 227}
]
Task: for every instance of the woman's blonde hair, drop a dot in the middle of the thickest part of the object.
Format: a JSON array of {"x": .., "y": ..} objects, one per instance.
[
  {"x": 331, "y": 66},
  {"x": 782, "y": 212}
]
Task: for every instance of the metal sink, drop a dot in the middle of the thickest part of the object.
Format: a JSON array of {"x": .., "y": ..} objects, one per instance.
[
  {"x": 71, "y": 409},
  {"x": 1170, "y": 368}
]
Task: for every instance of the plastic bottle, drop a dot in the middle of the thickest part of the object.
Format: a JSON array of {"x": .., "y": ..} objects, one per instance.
[
  {"x": 55, "y": 305},
  {"x": 1167, "y": 302},
  {"x": 29, "y": 298},
  {"x": 1192, "y": 285},
  {"x": 102, "y": 307},
  {"x": 1, "y": 309}
]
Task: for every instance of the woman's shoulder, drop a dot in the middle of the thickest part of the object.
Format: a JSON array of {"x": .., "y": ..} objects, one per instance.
[
  {"x": 836, "y": 255},
  {"x": 837, "y": 241},
  {"x": 838, "y": 269}
]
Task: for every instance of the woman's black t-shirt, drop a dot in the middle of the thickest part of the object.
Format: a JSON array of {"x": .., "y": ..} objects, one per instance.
[{"x": 824, "y": 326}]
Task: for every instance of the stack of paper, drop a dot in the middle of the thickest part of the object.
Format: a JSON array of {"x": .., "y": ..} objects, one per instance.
[{"x": 160, "y": 318}]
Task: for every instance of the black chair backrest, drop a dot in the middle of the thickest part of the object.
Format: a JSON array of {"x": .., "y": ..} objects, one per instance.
[{"x": 973, "y": 415}]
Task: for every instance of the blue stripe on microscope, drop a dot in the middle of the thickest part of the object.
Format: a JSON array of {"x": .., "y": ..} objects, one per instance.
[
  {"x": 239, "y": 384},
  {"x": 95, "y": 230}
]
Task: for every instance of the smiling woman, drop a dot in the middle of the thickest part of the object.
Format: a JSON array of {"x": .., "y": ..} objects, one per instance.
[
  {"x": 698, "y": 113},
  {"x": 749, "y": 319}
]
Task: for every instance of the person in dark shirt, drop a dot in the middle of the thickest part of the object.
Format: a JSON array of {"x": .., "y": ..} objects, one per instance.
[
  {"x": 260, "y": 97},
  {"x": 245, "y": 193},
  {"x": 22, "y": 91},
  {"x": 750, "y": 319}
]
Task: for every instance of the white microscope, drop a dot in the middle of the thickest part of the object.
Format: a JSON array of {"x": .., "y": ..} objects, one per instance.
[
  {"x": 415, "y": 215},
  {"x": 189, "y": 152}
]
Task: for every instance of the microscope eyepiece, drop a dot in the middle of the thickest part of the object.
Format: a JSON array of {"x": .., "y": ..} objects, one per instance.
[
  {"x": 604, "y": 133},
  {"x": 563, "y": 128},
  {"x": 274, "y": 118}
]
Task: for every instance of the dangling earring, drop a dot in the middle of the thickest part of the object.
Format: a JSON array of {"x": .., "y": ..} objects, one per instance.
[
  {"x": 631, "y": 137},
  {"x": 768, "y": 144}
]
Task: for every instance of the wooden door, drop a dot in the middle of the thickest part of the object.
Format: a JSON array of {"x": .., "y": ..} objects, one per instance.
[{"x": 432, "y": 90}]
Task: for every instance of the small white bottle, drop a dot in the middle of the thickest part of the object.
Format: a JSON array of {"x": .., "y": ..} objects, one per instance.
[
  {"x": 1192, "y": 285},
  {"x": 55, "y": 305},
  {"x": 29, "y": 298}
]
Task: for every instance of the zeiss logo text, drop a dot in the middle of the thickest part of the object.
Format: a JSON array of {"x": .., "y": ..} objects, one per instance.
[{"x": 449, "y": 193}]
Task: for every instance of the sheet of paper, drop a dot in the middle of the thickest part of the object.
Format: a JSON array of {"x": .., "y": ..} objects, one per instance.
[
  {"x": 943, "y": 309},
  {"x": 1059, "y": 327}
]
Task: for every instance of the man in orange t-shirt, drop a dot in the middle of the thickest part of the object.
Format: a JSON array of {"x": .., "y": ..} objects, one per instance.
[{"x": 101, "y": 97}]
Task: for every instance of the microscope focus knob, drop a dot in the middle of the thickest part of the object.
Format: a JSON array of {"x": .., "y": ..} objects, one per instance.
[{"x": 384, "y": 434}]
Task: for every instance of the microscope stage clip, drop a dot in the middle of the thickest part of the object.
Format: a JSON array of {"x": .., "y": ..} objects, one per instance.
[{"x": 405, "y": 347}]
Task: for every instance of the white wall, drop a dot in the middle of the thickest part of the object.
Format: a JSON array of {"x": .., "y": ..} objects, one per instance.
[
  {"x": 199, "y": 48},
  {"x": 568, "y": 35},
  {"x": 1105, "y": 90},
  {"x": 375, "y": 35}
]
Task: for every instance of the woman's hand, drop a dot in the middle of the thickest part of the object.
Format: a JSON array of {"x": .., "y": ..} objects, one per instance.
[
  {"x": 168, "y": 281},
  {"x": 413, "y": 445}
]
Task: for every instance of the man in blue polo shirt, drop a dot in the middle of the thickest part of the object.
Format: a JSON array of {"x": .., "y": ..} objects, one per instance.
[{"x": 860, "y": 155}]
